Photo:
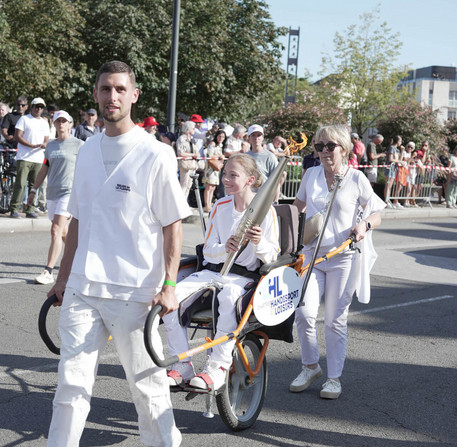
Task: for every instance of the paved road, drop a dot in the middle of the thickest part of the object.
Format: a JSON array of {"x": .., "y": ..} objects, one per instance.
[{"x": 398, "y": 384}]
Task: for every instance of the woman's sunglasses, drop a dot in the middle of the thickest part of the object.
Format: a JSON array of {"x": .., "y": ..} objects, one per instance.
[{"x": 330, "y": 146}]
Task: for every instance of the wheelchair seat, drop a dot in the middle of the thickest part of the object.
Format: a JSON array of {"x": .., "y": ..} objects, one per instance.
[{"x": 201, "y": 307}]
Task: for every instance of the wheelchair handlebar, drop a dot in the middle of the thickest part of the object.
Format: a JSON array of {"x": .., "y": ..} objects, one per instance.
[
  {"x": 163, "y": 363},
  {"x": 42, "y": 324}
]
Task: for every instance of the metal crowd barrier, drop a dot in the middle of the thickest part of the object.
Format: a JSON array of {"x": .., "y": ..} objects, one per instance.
[
  {"x": 290, "y": 186},
  {"x": 413, "y": 182}
]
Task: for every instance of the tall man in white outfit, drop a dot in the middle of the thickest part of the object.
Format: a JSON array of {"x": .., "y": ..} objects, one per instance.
[{"x": 122, "y": 255}]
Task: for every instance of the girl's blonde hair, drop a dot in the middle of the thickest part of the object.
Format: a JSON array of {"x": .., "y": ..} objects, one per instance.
[{"x": 249, "y": 166}]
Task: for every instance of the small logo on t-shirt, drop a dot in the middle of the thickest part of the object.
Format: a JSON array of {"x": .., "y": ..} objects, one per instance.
[{"x": 122, "y": 188}]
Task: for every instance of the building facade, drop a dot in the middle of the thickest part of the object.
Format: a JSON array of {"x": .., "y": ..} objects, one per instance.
[{"x": 435, "y": 86}]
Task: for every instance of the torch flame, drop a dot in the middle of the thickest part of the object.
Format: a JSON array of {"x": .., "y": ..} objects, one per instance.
[{"x": 294, "y": 147}]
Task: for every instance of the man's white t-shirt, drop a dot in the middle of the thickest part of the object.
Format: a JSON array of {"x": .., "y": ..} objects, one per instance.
[
  {"x": 111, "y": 214},
  {"x": 34, "y": 131}
]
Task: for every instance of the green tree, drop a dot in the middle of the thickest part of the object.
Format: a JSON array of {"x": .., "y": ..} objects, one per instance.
[
  {"x": 363, "y": 67},
  {"x": 228, "y": 52},
  {"x": 136, "y": 32},
  {"x": 228, "y": 55},
  {"x": 450, "y": 133},
  {"x": 39, "y": 51},
  {"x": 274, "y": 99},
  {"x": 412, "y": 122},
  {"x": 315, "y": 105}
]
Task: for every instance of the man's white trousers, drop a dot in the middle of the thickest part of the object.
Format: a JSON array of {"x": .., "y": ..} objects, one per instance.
[{"x": 85, "y": 325}]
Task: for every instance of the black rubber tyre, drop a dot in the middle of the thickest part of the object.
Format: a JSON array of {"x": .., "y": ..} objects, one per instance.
[
  {"x": 240, "y": 402},
  {"x": 42, "y": 327}
]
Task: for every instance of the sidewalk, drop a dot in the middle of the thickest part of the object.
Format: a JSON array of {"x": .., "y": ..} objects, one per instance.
[{"x": 42, "y": 223}]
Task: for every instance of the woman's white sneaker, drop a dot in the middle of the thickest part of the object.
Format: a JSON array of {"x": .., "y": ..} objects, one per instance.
[
  {"x": 306, "y": 377},
  {"x": 331, "y": 389}
]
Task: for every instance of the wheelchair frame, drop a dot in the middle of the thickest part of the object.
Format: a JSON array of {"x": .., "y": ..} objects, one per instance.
[{"x": 233, "y": 414}]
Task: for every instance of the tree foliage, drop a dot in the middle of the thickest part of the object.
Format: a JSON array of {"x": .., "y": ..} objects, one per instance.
[
  {"x": 450, "y": 133},
  {"x": 40, "y": 51},
  {"x": 228, "y": 54},
  {"x": 363, "y": 67},
  {"x": 315, "y": 106},
  {"x": 412, "y": 122}
]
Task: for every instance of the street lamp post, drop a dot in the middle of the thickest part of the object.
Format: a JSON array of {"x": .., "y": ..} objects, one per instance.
[{"x": 171, "y": 112}]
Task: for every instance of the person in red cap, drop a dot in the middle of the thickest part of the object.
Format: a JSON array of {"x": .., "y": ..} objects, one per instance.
[
  {"x": 197, "y": 119},
  {"x": 199, "y": 137},
  {"x": 150, "y": 125}
]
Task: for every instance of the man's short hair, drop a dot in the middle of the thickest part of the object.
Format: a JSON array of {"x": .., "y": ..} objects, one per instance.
[
  {"x": 239, "y": 130},
  {"x": 23, "y": 99},
  {"x": 53, "y": 108},
  {"x": 116, "y": 67}
]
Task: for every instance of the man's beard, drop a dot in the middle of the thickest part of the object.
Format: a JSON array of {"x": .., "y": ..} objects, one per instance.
[{"x": 112, "y": 118}]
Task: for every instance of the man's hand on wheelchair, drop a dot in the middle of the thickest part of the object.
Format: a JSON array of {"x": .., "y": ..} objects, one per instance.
[{"x": 167, "y": 299}]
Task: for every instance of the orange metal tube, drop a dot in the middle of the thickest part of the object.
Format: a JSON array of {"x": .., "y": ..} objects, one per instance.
[
  {"x": 329, "y": 255},
  {"x": 245, "y": 360}
]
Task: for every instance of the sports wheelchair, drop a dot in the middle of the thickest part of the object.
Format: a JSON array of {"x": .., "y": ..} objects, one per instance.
[{"x": 240, "y": 401}]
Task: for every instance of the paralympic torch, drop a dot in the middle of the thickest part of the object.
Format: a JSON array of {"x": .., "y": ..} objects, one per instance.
[{"x": 260, "y": 204}]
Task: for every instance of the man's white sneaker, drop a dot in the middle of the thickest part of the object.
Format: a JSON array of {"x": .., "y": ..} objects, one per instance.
[
  {"x": 44, "y": 278},
  {"x": 331, "y": 389},
  {"x": 211, "y": 378},
  {"x": 306, "y": 377},
  {"x": 180, "y": 373},
  {"x": 398, "y": 206}
]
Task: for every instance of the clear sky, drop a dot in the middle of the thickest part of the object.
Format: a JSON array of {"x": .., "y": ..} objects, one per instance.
[{"x": 428, "y": 28}]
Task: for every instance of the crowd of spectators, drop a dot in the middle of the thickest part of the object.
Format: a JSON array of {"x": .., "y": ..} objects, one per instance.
[
  {"x": 406, "y": 169},
  {"x": 202, "y": 145}
]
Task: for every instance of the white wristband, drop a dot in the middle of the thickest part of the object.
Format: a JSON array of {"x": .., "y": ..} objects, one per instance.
[{"x": 33, "y": 190}]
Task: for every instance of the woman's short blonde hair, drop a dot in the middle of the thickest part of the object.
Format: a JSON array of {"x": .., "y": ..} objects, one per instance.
[
  {"x": 249, "y": 166},
  {"x": 338, "y": 133}
]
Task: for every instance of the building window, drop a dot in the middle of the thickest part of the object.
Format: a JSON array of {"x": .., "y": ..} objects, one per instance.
[
  {"x": 452, "y": 114},
  {"x": 430, "y": 97},
  {"x": 452, "y": 98}
]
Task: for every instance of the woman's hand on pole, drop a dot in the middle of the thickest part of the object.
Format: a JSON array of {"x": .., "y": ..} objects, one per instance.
[{"x": 359, "y": 231}]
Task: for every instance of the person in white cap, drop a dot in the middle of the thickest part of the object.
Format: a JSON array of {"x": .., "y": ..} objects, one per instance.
[
  {"x": 266, "y": 160},
  {"x": 58, "y": 167},
  {"x": 32, "y": 135}
]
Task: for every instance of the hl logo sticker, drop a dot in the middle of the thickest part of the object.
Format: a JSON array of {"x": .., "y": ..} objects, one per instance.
[{"x": 273, "y": 286}]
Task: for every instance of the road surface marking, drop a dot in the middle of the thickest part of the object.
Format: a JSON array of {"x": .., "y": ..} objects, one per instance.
[{"x": 394, "y": 306}]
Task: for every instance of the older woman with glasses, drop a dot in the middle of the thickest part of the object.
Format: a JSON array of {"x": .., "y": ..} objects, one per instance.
[{"x": 356, "y": 210}]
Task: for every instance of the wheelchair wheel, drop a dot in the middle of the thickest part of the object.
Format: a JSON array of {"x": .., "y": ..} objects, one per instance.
[
  {"x": 48, "y": 327},
  {"x": 241, "y": 401}
]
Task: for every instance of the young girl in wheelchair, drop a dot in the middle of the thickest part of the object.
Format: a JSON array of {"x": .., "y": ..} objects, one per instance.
[{"x": 240, "y": 178}]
